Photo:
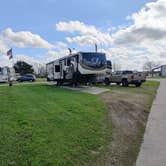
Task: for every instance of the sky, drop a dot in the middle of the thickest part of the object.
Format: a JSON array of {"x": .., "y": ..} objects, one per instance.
[{"x": 130, "y": 32}]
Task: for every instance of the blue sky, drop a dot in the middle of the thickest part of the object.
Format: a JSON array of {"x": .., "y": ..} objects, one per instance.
[{"x": 41, "y": 16}]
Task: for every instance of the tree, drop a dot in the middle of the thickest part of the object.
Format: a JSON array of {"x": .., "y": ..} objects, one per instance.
[
  {"x": 41, "y": 70},
  {"x": 23, "y": 68},
  {"x": 149, "y": 65}
]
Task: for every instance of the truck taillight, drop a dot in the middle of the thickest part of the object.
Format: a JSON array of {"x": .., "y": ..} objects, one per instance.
[{"x": 132, "y": 77}]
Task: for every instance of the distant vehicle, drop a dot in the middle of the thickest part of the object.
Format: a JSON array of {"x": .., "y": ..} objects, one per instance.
[
  {"x": 125, "y": 78},
  {"x": 81, "y": 67},
  {"x": 7, "y": 73},
  {"x": 27, "y": 77}
]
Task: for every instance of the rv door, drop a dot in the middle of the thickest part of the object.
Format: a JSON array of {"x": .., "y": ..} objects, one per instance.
[{"x": 57, "y": 71}]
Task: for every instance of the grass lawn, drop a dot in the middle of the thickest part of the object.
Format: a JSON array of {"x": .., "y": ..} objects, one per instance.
[
  {"x": 46, "y": 126},
  {"x": 41, "y": 79},
  {"x": 159, "y": 77}
]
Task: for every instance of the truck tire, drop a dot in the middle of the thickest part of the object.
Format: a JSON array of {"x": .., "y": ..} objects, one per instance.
[
  {"x": 107, "y": 81},
  {"x": 138, "y": 84},
  {"x": 125, "y": 83},
  {"x": 74, "y": 80},
  {"x": 59, "y": 82}
]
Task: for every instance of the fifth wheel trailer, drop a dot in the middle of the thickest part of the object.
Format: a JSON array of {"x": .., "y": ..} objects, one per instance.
[{"x": 81, "y": 67}]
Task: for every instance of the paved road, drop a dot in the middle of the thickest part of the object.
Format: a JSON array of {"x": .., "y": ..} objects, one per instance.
[{"x": 153, "y": 149}]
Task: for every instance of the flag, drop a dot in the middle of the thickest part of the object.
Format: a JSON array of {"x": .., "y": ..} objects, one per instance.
[{"x": 9, "y": 54}]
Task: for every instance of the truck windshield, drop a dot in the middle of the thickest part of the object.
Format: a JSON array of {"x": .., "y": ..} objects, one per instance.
[
  {"x": 94, "y": 60},
  {"x": 109, "y": 65}
]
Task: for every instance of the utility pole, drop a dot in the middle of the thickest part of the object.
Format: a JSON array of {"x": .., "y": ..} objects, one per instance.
[{"x": 95, "y": 47}]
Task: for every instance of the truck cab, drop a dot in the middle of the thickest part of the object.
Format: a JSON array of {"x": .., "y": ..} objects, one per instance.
[{"x": 125, "y": 78}]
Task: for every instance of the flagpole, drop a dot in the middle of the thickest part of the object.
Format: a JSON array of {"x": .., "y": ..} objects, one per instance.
[
  {"x": 12, "y": 64},
  {"x": 12, "y": 58},
  {"x": 10, "y": 78}
]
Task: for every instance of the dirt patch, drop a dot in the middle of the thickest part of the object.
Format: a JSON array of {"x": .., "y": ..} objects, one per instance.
[{"x": 128, "y": 113}]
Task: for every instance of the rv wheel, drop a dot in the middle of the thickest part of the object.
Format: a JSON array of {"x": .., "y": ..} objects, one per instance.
[
  {"x": 107, "y": 81},
  {"x": 58, "y": 83},
  {"x": 125, "y": 83},
  {"x": 138, "y": 84}
]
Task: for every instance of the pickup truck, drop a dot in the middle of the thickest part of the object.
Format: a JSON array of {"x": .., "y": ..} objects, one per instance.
[{"x": 125, "y": 78}]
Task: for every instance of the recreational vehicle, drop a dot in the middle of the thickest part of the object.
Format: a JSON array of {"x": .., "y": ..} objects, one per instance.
[
  {"x": 81, "y": 67},
  {"x": 6, "y": 73},
  {"x": 100, "y": 78}
]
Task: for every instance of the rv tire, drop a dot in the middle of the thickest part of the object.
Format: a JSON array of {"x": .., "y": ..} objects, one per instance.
[
  {"x": 125, "y": 83},
  {"x": 107, "y": 81}
]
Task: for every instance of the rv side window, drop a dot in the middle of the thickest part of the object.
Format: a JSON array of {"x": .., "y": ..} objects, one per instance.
[
  {"x": 0, "y": 70},
  {"x": 57, "y": 68},
  {"x": 68, "y": 62}
]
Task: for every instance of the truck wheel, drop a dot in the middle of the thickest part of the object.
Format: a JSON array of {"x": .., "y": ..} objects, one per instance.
[
  {"x": 48, "y": 79},
  {"x": 125, "y": 83},
  {"x": 138, "y": 84},
  {"x": 107, "y": 81},
  {"x": 74, "y": 80},
  {"x": 118, "y": 83},
  {"x": 59, "y": 83}
]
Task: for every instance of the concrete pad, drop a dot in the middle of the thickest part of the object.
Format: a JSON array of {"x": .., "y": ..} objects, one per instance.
[
  {"x": 88, "y": 89},
  {"x": 153, "y": 149}
]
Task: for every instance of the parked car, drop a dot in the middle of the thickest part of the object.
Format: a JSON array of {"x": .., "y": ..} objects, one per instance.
[
  {"x": 125, "y": 78},
  {"x": 27, "y": 77}
]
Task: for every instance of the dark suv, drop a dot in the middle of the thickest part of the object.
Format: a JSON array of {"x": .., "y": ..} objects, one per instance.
[{"x": 27, "y": 77}]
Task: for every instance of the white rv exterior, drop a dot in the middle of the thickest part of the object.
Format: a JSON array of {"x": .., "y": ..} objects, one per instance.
[
  {"x": 6, "y": 73},
  {"x": 81, "y": 67}
]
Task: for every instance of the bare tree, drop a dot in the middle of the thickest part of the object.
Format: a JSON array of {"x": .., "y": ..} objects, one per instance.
[{"x": 149, "y": 66}]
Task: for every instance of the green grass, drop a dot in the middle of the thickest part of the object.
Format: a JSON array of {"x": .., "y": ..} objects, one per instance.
[
  {"x": 46, "y": 126},
  {"x": 129, "y": 146},
  {"x": 41, "y": 79},
  {"x": 159, "y": 77}
]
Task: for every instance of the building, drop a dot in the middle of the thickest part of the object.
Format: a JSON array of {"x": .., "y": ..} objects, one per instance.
[{"x": 161, "y": 70}]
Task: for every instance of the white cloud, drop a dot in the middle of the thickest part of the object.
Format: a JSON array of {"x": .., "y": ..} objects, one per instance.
[
  {"x": 131, "y": 46},
  {"x": 144, "y": 39},
  {"x": 149, "y": 25},
  {"x": 24, "y": 39},
  {"x": 60, "y": 45},
  {"x": 4, "y": 61},
  {"x": 3, "y": 47},
  {"x": 52, "y": 54},
  {"x": 88, "y": 34}
]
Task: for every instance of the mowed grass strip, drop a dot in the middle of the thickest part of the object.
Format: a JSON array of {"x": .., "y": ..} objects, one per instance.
[{"x": 43, "y": 125}]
